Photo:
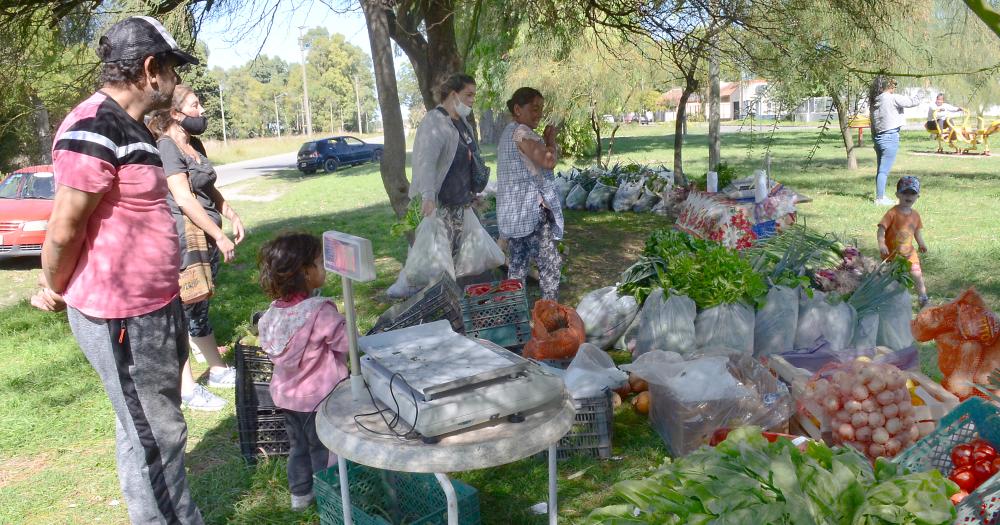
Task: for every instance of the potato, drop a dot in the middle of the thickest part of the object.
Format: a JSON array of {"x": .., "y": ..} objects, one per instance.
[
  {"x": 641, "y": 403},
  {"x": 616, "y": 400},
  {"x": 637, "y": 383}
]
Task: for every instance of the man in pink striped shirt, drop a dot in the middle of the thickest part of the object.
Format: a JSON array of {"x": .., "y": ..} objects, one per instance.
[{"x": 111, "y": 256}]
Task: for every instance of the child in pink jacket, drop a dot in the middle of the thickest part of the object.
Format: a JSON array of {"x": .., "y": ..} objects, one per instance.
[{"x": 306, "y": 340}]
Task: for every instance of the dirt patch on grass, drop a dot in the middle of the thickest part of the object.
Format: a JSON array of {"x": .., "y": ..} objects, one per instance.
[
  {"x": 599, "y": 246},
  {"x": 15, "y": 469}
]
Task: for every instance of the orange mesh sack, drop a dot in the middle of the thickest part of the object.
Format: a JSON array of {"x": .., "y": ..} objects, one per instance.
[
  {"x": 967, "y": 335},
  {"x": 556, "y": 333}
]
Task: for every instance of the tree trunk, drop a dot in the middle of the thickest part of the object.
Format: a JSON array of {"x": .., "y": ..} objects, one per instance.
[
  {"x": 393, "y": 166},
  {"x": 845, "y": 130},
  {"x": 690, "y": 87},
  {"x": 491, "y": 124},
  {"x": 714, "y": 145},
  {"x": 436, "y": 18},
  {"x": 43, "y": 132},
  {"x": 596, "y": 126}
]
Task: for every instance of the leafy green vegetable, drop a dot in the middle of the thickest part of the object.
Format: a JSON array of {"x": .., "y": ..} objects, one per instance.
[
  {"x": 706, "y": 271},
  {"x": 746, "y": 479},
  {"x": 410, "y": 221}
]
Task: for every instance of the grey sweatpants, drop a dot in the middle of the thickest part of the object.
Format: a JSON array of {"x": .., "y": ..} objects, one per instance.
[{"x": 139, "y": 360}]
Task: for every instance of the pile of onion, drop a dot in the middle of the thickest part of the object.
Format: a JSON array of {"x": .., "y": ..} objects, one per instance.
[{"x": 867, "y": 406}]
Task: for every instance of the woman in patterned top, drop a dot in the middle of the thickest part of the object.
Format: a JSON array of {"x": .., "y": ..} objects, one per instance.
[{"x": 528, "y": 210}]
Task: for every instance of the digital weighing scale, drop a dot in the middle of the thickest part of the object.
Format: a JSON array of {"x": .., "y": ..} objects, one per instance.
[{"x": 439, "y": 381}]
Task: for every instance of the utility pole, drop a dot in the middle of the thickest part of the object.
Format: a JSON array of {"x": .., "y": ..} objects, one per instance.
[
  {"x": 331, "y": 116},
  {"x": 357, "y": 99},
  {"x": 305, "y": 86},
  {"x": 222, "y": 108}
]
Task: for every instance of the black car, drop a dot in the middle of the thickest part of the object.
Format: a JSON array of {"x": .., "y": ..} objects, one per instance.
[{"x": 334, "y": 152}]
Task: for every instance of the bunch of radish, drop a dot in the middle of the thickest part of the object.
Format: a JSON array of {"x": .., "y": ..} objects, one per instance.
[{"x": 866, "y": 405}]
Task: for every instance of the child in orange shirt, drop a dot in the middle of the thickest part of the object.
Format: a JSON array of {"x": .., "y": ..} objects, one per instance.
[{"x": 898, "y": 229}]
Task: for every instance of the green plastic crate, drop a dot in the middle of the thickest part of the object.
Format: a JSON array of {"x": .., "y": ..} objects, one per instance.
[
  {"x": 498, "y": 316},
  {"x": 384, "y": 497},
  {"x": 974, "y": 418}
]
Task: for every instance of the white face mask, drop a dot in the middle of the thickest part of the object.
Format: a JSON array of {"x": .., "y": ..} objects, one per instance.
[{"x": 462, "y": 110}]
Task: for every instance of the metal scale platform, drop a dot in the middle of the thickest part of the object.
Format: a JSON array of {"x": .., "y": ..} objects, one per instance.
[{"x": 444, "y": 382}]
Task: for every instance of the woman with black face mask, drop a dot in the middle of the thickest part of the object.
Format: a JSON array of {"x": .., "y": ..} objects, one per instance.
[{"x": 191, "y": 180}]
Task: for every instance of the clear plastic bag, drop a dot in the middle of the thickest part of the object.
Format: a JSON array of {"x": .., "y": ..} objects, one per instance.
[
  {"x": 477, "y": 252},
  {"x": 646, "y": 201},
  {"x": 690, "y": 400},
  {"x": 606, "y": 315},
  {"x": 430, "y": 255},
  {"x": 591, "y": 371},
  {"x": 865, "y": 331},
  {"x": 563, "y": 185},
  {"x": 775, "y": 323},
  {"x": 894, "y": 318},
  {"x": 628, "y": 195},
  {"x": 726, "y": 325},
  {"x": 818, "y": 318},
  {"x": 600, "y": 197},
  {"x": 577, "y": 198},
  {"x": 667, "y": 325}
]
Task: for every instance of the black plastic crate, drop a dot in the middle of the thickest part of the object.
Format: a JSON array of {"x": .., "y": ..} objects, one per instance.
[
  {"x": 439, "y": 300},
  {"x": 253, "y": 376},
  {"x": 592, "y": 429},
  {"x": 262, "y": 432}
]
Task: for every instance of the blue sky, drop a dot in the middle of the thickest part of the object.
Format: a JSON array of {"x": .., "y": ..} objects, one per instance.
[{"x": 229, "y": 45}]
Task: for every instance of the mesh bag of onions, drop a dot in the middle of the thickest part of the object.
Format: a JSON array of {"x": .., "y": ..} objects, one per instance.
[{"x": 865, "y": 405}]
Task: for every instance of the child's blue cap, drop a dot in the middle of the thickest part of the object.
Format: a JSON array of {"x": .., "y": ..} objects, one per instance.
[{"x": 908, "y": 183}]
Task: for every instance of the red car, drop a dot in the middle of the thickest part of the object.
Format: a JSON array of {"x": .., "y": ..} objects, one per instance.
[{"x": 25, "y": 204}]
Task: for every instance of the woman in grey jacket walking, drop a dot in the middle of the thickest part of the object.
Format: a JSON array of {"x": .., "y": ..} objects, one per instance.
[
  {"x": 887, "y": 119},
  {"x": 528, "y": 210},
  {"x": 445, "y": 155}
]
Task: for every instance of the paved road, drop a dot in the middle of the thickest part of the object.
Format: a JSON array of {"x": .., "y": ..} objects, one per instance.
[{"x": 247, "y": 169}]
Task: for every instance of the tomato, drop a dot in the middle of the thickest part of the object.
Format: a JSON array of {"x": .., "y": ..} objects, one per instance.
[
  {"x": 983, "y": 470},
  {"x": 964, "y": 478},
  {"x": 996, "y": 464},
  {"x": 982, "y": 450},
  {"x": 961, "y": 455}
]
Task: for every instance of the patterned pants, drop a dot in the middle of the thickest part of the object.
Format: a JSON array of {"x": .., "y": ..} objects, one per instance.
[
  {"x": 540, "y": 246},
  {"x": 454, "y": 221}
]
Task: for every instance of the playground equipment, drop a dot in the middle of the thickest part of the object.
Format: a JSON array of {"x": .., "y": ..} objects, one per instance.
[{"x": 963, "y": 138}]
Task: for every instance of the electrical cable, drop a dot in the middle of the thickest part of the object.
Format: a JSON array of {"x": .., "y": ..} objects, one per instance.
[{"x": 394, "y": 422}]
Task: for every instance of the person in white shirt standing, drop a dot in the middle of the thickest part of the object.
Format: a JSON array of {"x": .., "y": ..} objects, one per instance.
[{"x": 887, "y": 119}]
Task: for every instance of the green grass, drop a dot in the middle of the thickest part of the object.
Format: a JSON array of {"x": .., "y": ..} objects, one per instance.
[{"x": 56, "y": 437}]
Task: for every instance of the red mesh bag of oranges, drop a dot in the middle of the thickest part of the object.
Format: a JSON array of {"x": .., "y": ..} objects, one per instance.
[{"x": 556, "y": 333}]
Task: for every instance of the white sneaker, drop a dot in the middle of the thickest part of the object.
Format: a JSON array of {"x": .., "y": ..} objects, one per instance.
[
  {"x": 223, "y": 379},
  {"x": 203, "y": 400},
  {"x": 885, "y": 201},
  {"x": 300, "y": 503}
]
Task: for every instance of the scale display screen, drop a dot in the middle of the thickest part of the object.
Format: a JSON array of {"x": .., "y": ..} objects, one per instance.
[{"x": 349, "y": 256}]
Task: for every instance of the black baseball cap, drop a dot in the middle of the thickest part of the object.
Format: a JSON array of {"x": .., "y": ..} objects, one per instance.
[{"x": 138, "y": 37}]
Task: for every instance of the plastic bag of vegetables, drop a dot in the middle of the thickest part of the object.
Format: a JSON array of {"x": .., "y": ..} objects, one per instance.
[
  {"x": 477, "y": 252},
  {"x": 819, "y": 318},
  {"x": 666, "y": 324},
  {"x": 628, "y": 195},
  {"x": 690, "y": 400},
  {"x": 606, "y": 315},
  {"x": 776, "y": 321},
  {"x": 894, "y": 317},
  {"x": 563, "y": 185},
  {"x": 727, "y": 325},
  {"x": 865, "y": 405},
  {"x": 865, "y": 331},
  {"x": 576, "y": 199},
  {"x": 601, "y": 196}
]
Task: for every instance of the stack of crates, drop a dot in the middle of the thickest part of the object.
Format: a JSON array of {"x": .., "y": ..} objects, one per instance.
[
  {"x": 439, "y": 300},
  {"x": 382, "y": 497},
  {"x": 261, "y": 425},
  {"x": 497, "y": 312}
]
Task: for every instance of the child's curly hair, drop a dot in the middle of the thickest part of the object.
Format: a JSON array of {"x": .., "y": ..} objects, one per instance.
[{"x": 282, "y": 262}]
